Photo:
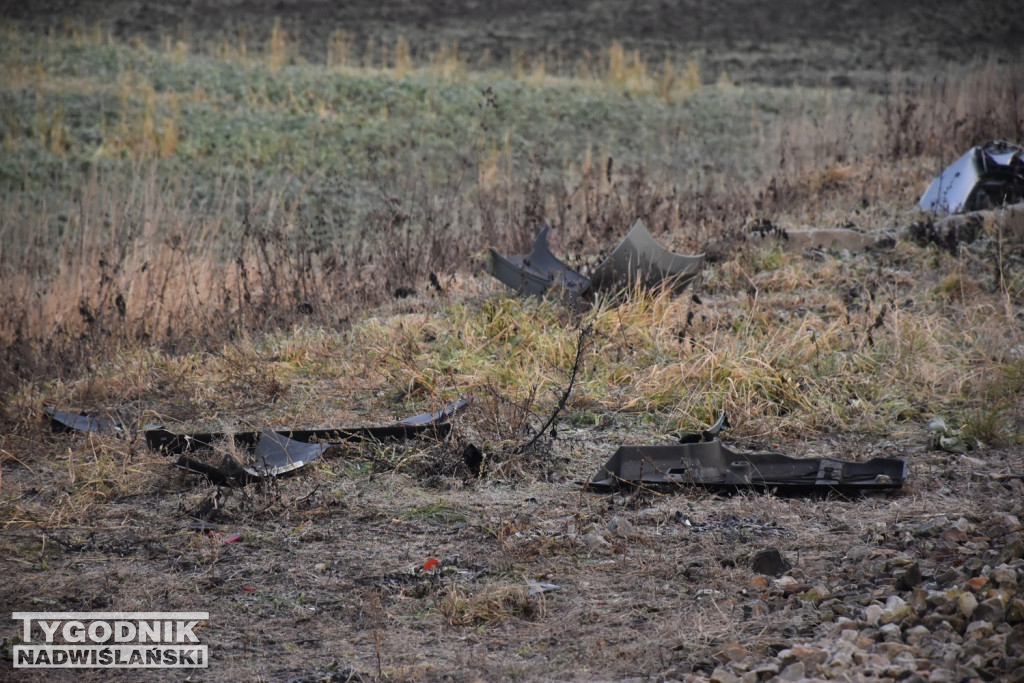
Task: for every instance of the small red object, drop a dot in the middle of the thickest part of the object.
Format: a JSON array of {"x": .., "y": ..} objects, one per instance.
[
  {"x": 232, "y": 538},
  {"x": 249, "y": 588},
  {"x": 430, "y": 564}
]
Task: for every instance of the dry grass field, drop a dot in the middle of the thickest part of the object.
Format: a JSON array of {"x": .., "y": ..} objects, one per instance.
[{"x": 208, "y": 215}]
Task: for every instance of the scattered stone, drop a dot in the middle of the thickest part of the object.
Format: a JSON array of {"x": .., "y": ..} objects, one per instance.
[
  {"x": 840, "y": 660},
  {"x": 939, "y": 599},
  {"x": 817, "y": 594},
  {"x": 1004, "y": 577},
  {"x": 891, "y": 633},
  {"x": 978, "y": 582},
  {"x": 793, "y": 672},
  {"x": 991, "y": 610},
  {"x": 954, "y": 535},
  {"x": 867, "y": 638},
  {"x": 916, "y": 635},
  {"x": 935, "y": 620},
  {"x": 894, "y": 602},
  {"x": 903, "y": 614},
  {"x": 951, "y": 629},
  {"x": 1015, "y": 641},
  {"x": 966, "y": 604},
  {"x": 622, "y": 527},
  {"x": 919, "y": 600},
  {"x": 963, "y": 525},
  {"x": 765, "y": 669},
  {"x": 650, "y": 516},
  {"x": 850, "y": 634},
  {"x": 1015, "y": 613},
  {"x": 755, "y": 609},
  {"x": 723, "y": 675},
  {"x": 907, "y": 578},
  {"x": 732, "y": 652},
  {"x": 806, "y": 654},
  {"x": 895, "y": 672},
  {"x": 595, "y": 541},
  {"x": 974, "y": 565},
  {"x": 862, "y": 552},
  {"x": 770, "y": 562},
  {"x": 1014, "y": 547},
  {"x": 978, "y": 629}
]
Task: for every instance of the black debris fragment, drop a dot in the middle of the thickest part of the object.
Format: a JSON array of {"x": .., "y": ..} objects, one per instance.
[
  {"x": 637, "y": 259},
  {"x": 219, "y": 476},
  {"x": 770, "y": 562},
  {"x": 539, "y": 272},
  {"x": 62, "y": 421},
  {"x": 404, "y": 292},
  {"x": 433, "y": 424},
  {"x": 473, "y": 459},
  {"x": 709, "y": 463},
  {"x": 279, "y": 452},
  {"x": 436, "y": 283}
]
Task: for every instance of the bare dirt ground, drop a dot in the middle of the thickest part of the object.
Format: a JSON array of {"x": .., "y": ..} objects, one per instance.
[{"x": 326, "y": 581}]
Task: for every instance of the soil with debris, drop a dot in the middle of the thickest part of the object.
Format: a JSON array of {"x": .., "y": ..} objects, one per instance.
[{"x": 547, "y": 580}]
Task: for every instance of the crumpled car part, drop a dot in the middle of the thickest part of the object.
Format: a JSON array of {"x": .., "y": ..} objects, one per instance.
[
  {"x": 637, "y": 259},
  {"x": 433, "y": 423},
  {"x": 987, "y": 176},
  {"x": 63, "y": 421},
  {"x": 709, "y": 463},
  {"x": 538, "y": 272},
  {"x": 277, "y": 454}
]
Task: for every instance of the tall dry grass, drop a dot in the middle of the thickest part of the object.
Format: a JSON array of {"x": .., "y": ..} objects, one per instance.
[
  {"x": 110, "y": 264},
  {"x": 850, "y": 158}
]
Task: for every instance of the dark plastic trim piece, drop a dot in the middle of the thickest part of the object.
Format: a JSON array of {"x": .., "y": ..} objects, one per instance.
[
  {"x": 639, "y": 259},
  {"x": 538, "y": 272},
  {"x": 703, "y": 460},
  {"x": 433, "y": 424}
]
